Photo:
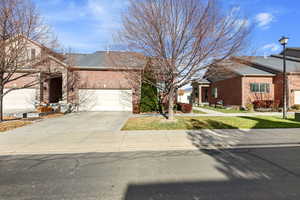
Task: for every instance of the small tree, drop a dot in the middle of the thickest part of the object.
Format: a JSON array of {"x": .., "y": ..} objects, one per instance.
[
  {"x": 19, "y": 23},
  {"x": 181, "y": 37}
]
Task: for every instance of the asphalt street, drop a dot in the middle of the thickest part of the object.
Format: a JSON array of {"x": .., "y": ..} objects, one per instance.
[{"x": 256, "y": 173}]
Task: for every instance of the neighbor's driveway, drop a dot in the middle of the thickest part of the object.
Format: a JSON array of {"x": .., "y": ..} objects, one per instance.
[
  {"x": 99, "y": 132},
  {"x": 86, "y": 131}
]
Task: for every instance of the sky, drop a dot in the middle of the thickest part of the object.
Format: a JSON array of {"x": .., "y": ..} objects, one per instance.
[{"x": 87, "y": 26}]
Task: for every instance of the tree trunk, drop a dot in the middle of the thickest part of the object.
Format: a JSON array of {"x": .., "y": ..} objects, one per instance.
[
  {"x": 1, "y": 103},
  {"x": 171, "y": 105}
]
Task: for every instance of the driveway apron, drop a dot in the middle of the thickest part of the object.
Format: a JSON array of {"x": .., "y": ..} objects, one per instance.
[{"x": 88, "y": 130}]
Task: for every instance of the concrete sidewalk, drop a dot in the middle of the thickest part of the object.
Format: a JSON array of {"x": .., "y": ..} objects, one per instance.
[
  {"x": 208, "y": 111},
  {"x": 124, "y": 141},
  {"x": 216, "y": 114}
]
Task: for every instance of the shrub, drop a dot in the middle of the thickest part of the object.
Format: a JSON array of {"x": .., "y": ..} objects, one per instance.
[
  {"x": 149, "y": 98},
  {"x": 44, "y": 109},
  {"x": 178, "y": 107},
  {"x": 186, "y": 108},
  {"x": 250, "y": 107},
  {"x": 296, "y": 107},
  {"x": 263, "y": 104}
]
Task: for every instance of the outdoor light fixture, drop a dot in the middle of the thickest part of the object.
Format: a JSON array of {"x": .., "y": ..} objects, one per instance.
[{"x": 283, "y": 41}]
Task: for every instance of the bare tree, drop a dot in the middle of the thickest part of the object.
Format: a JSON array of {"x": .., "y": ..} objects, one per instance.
[
  {"x": 20, "y": 26},
  {"x": 181, "y": 37}
]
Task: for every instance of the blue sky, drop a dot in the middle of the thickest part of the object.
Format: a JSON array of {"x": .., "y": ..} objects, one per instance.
[{"x": 90, "y": 25}]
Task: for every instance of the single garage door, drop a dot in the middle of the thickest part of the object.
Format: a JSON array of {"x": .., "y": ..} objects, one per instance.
[
  {"x": 105, "y": 100},
  {"x": 22, "y": 99},
  {"x": 297, "y": 97}
]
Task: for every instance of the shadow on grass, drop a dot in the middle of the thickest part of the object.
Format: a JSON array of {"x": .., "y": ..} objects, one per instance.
[
  {"x": 193, "y": 124},
  {"x": 217, "y": 134},
  {"x": 265, "y": 123}
]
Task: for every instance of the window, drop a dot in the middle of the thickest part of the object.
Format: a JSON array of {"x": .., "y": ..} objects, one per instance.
[
  {"x": 33, "y": 54},
  {"x": 215, "y": 92},
  {"x": 260, "y": 87}
]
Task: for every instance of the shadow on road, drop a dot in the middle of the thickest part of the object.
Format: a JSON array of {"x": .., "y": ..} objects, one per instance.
[{"x": 265, "y": 173}]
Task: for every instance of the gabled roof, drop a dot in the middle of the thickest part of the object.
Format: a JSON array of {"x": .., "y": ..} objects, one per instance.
[
  {"x": 107, "y": 60},
  {"x": 38, "y": 44},
  {"x": 275, "y": 63},
  {"x": 231, "y": 68},
  {"x": 292, "y": 51}
]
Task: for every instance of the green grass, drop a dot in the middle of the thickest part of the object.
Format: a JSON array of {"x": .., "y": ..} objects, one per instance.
[
  {"x": 223, "y": 110},
  {"x": 198, "y": 112},
  {"x": 191, "y": 123}
]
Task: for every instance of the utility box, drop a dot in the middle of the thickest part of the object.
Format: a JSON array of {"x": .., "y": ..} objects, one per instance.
[{"x": 297, "y": 116}]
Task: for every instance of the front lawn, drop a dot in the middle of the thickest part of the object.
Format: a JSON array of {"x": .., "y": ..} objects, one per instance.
[
  {"x": 224, "y": 110},
  {"x": 190, "y": 123}
]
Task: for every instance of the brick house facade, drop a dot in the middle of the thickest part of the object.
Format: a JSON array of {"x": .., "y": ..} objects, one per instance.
[
  {"x": 58, "y": 79},
  {"x": 234, "y": 81}
]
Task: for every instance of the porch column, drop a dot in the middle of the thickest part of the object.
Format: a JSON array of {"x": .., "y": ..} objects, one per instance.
[
  {"x": 40, "y": 88},
  {"x": 65, "y": 86},
  {"x": 199, "y": 94}
]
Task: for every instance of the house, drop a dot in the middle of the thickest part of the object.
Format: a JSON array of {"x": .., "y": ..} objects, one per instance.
[
  {"x": 184, "y": 95},
  {"x": 100, "y": 81},
  {"x": 239, "y": 81}
]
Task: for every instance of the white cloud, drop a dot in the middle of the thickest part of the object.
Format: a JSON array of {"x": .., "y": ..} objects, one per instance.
[
  {"x": 272, "y": 47},
  {"x": 264, "y": 19}
]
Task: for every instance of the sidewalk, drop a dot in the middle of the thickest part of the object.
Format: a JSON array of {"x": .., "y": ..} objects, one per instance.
[
  {"x": 158, "y": 141},
  {"x": 212, "y": 113},
  {"x": 208, "y": 111}
]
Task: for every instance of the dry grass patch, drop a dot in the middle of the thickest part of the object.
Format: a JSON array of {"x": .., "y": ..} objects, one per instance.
[{"x": 9, "y": 125}]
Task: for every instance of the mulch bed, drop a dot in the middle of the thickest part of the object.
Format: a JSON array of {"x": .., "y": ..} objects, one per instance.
[{"x": 10, "y": 122}]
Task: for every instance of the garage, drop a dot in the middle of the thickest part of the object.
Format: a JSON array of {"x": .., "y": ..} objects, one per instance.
[
  {"x": 297, "y": 97},
  {"x": 22, "y": 99},
  {"x": 105, "y": 100}
]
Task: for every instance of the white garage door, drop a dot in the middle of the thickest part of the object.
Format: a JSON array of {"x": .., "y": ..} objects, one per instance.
[
  {"x": 297, "y": 97},
  {"x": 22, "y": 99},
  {"x": 105, "y": 100}
]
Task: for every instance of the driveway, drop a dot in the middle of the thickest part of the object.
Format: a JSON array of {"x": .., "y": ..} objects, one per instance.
[{"x": 74, "y": 132}]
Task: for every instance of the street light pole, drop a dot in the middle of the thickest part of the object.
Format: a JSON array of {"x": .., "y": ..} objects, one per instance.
[
  {"x": 283, "y": 41},
  {"x": 284, "y": 84}
]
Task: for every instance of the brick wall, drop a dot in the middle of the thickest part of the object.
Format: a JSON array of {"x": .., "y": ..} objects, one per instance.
[
  {"x": 229, "y": 90},
  {"x": 22, "y": 81},
  {"x": 249, "y": 97},
  {"x": 294, "y": 84}
]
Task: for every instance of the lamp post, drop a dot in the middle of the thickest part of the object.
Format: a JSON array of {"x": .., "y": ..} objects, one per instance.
[{"x": 283, "y": 41}]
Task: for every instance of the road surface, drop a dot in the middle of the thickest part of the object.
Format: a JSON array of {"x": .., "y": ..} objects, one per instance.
[{"x": 262, "y": 173}]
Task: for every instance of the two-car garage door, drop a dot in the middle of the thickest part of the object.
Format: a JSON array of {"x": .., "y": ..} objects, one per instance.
[{"x": 105, "y": 100}]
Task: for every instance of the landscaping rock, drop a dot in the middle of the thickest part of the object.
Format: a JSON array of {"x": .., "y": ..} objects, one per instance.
[
  {"x": 66, "y": 108},
  {"x": 33, "y": 115}
]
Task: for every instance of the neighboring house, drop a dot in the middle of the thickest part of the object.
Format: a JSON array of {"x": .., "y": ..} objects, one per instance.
[
  {"x": 101, "y": 81},
  {"x": 184, "y": 95},
  {"x": 242, "y": 80}
]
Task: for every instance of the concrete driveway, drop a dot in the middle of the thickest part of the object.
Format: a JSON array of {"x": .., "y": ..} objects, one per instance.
[{"x": 73, "y": 132}]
